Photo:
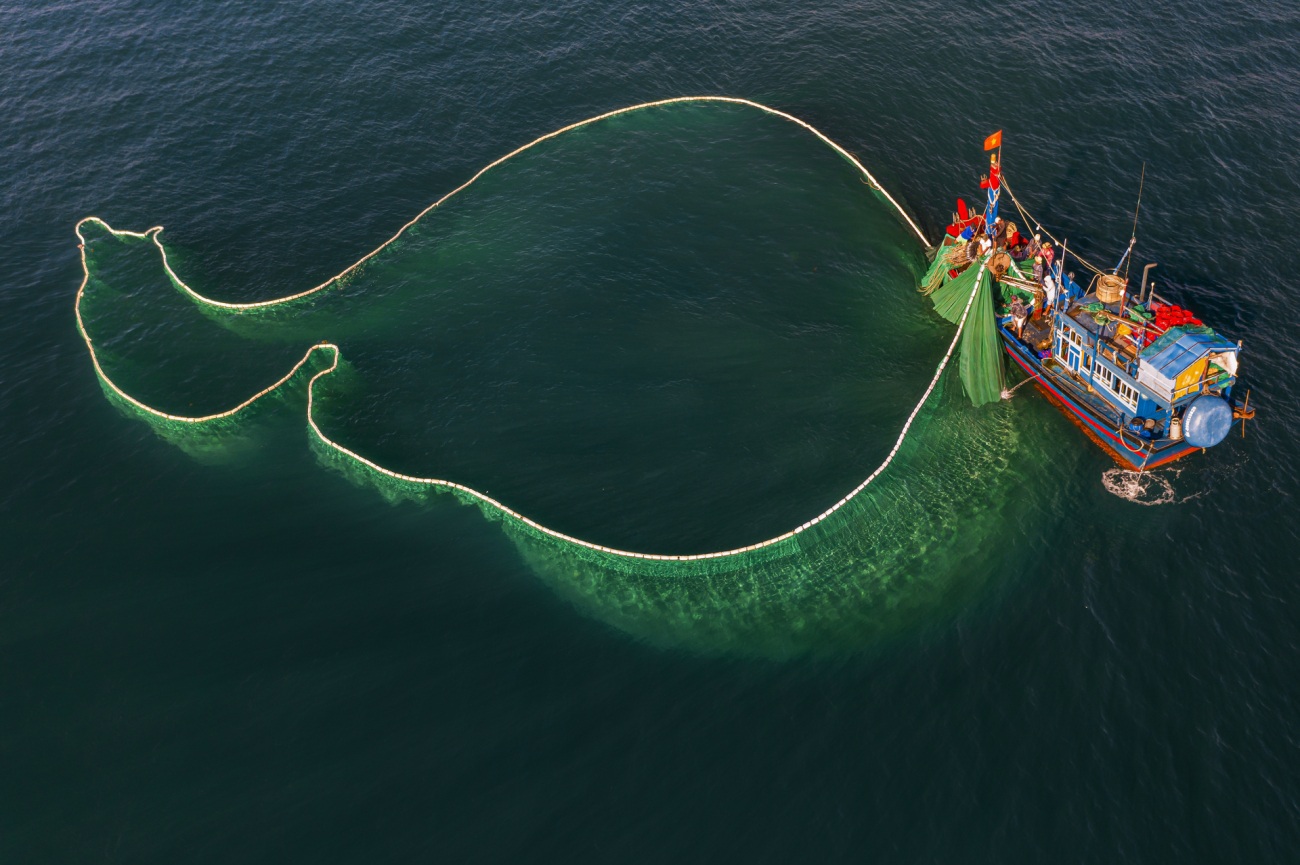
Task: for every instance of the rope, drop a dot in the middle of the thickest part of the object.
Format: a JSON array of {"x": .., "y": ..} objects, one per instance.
[
  {"x": 335, "y": 355},
  {"x": 1038, "y": 227},
  {"x": 1150, "y": 448},
  {"x": 1007, "y": 393},
  {"x": 208, "y": 301}
]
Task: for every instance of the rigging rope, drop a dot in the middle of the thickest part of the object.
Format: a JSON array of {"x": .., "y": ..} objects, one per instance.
[
  {"x": 335, "y": 356},
  {"x": 1007, "y": 394},
  {"x": 1039, "y": 227}
]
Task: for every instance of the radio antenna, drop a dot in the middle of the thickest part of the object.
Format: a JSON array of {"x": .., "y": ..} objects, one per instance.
[{"x": 1136, "y": 213}]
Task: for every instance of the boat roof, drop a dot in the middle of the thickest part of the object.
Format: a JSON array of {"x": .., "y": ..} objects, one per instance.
[{"x": 1185, "y": 350}]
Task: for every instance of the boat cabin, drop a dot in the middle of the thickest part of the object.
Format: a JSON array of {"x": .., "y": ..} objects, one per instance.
[{"x": 1136, "y": 365}]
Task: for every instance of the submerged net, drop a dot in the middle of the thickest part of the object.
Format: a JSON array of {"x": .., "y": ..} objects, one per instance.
[{"x": 882, "y": 530}]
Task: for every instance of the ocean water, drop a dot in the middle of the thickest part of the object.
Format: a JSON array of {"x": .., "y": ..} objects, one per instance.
[{"x": 677, "y": 331}]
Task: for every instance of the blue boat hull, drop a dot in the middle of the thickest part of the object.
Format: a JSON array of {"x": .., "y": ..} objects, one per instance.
[{"x": 1125, "y": 449}]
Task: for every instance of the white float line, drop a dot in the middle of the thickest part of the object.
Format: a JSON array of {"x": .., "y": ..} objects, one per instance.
[
  {"x": 153, "y": 233},
  {"x": 200, "y": 298}
]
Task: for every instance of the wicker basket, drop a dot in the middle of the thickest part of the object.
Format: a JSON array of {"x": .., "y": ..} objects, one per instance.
[
  {"x": 1110, "y": 287},
  {"x": 999, "y": 263}
]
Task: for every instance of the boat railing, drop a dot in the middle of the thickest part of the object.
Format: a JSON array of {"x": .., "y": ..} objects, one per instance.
[{"x": 1152, "y": 297}]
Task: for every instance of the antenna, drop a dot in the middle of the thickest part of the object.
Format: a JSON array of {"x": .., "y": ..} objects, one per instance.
[{"x": 1137, "y": 212}]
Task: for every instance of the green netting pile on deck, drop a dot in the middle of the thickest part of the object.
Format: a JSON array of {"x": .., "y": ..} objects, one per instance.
[
  {"x": 1009, "y": 291},
  {"x": 937, "y": 273}
]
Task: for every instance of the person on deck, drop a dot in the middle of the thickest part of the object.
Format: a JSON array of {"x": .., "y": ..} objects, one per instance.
[
  {"x": 1018, "y": 315},
  {"x": 1049, "y": 254},
  {"x": 1038, "y": 269},
  {"x": 1050, "y": 291},
  {"x": 1035, "y": 246},
  {"x": 1015, "y": 242},
  {"x": 999, "y": 234},
  {"x": 984, "y": 246}
]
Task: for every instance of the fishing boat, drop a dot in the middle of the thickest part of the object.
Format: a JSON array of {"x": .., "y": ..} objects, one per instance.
[{"x": 1145, "y": 378}]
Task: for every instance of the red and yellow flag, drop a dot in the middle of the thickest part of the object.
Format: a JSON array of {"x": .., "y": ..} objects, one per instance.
[{"x": 994, "y": 141}]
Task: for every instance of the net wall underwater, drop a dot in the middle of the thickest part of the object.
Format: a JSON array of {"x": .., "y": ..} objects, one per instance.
[{"x": 777, "y": 591}]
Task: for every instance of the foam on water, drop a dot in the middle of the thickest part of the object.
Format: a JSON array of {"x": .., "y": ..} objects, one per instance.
[{"x": 1148, "y": 488}]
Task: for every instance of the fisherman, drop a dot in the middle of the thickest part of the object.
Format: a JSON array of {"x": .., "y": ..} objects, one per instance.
[
  {"x": 1035, "y": 246},
  {"x": 1049, "y": 254},
  {"x": 984, "y": 247},
  {"x": 1039, "y": 305},
  {"x": 999, "y": 234},
  {"x": 1050, "y": 291},
  {"x": 1018, "y": 315},
  {"x": 1038, "y": 269},
  {"x": 1015, "y": 242}
]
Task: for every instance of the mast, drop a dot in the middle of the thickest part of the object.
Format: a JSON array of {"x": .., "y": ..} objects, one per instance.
[
  {"x": 994, "y": 143},
  {"x": 1060, "y": 273}
]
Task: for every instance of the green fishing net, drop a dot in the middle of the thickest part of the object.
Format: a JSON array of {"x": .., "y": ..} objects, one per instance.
[
  {"x": 899, "y": 545},
  {"x": 980, "y": 356},
  {"x": 980, "y": 360},
  {"x": 951, "y": 298}
]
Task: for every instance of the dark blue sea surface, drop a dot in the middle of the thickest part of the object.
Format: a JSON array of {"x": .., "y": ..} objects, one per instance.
[{"x": 680, "y": 330}]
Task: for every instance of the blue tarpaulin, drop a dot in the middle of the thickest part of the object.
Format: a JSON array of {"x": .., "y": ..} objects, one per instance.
[{"x": 1166, "y": 358}]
